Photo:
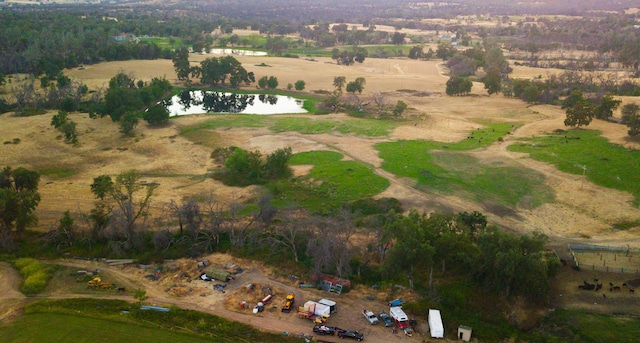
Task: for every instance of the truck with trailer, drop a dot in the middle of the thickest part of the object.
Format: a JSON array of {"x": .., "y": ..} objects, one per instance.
[
  {"x": 400, "y": 319},
  {"x": 436, "y": 328}
]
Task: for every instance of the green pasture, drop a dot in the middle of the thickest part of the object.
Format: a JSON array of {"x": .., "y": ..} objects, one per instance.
[
  {"x": 99, "y": 320},
  {"x": 445, "y": 168},
  {"x": 587, "y": 152},
  {"x": 163, "y": 42},
  {"x": 53, "y": 327},
  {"x": 576, "y": 326},
  {"x": 331, "y": 183},
  {"x": 361, "y": 127}
]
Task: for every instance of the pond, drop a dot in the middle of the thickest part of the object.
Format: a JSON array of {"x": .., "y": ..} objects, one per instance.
[
  {"x": 237, "y": 52},
  {"x": 195, "y": 102}
]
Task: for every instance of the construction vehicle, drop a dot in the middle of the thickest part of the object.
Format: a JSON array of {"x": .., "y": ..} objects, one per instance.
[
  {"x": 97, "y": 282},
  {"x": 290, "y": 300}
]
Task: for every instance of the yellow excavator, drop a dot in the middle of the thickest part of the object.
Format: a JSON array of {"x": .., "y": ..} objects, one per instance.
[{"x": 98, "y": 283}]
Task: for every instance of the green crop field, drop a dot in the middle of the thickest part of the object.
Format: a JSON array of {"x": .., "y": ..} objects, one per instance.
[
  {"x": 585, "y": 151},
  {"x": 163, "y": 42},
  {"x": 445, "y": 168}
]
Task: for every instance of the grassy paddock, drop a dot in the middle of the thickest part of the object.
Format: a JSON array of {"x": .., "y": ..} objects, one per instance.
[
  {"x": 330, "y": 183},
  {"x": 609, "y": 165},
  {"x": 576, "y": 326},
  {"x": 361, "y": 127},
  {"x": 443, "y": 168},
  {"x": 103, "y": 320},
  {"x": 163, "y": 42}
]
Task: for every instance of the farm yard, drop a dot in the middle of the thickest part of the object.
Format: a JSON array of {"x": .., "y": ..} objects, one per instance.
[{"x": 440, "y": 164}]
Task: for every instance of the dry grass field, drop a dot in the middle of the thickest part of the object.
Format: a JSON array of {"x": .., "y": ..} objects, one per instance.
[{"x": 582, "y": 212}]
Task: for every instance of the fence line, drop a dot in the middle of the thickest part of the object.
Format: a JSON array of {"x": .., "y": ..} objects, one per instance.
[
  {"x": 575, "y": 246},
  {"x": 607, "y": 268}
]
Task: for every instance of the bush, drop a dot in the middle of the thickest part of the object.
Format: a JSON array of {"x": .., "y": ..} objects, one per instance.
[{"x": 36, "y": 275}]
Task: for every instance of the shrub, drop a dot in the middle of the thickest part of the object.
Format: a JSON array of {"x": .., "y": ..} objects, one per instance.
[{"x": 36, "y": 275}]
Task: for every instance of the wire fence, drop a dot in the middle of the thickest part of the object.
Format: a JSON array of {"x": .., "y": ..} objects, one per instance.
[{"x": 610, "y": 259}]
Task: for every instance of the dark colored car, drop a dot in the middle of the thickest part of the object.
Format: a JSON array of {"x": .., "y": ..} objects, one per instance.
[
  {"x": 324, "y": 330},
  {"x": 385, "y": 319},
  {"x": 353, "y": 334}
]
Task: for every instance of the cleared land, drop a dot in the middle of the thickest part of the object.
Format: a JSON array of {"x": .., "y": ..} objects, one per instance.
[{"x": 581, "y": 210}]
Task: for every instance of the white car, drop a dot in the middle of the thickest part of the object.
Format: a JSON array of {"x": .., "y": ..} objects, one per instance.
[{"x": 370, "y": 316}]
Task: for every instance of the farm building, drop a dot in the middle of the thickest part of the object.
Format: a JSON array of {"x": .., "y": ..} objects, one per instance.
[{"x": 464, "y": 333}]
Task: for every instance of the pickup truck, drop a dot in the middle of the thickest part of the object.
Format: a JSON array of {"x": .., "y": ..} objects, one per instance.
[{"x": 370, "y": 316}]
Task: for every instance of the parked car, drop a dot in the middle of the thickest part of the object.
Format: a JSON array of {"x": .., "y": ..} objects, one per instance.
[
  {"x": 385, "y": 319},
  {"x": 324, "y": 330},
  {"x": 396, "y": 302},
  {"x": 370, "y": 317},
  {"x": 353, "y": 334}
]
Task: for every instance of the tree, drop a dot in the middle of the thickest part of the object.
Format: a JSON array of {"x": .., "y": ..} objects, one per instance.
[
  {"x": 300, "y": 84},
  {"x": 493, "y": 80},
  {"x": 511, "y": 264},
  {"x": 156, "y": 114},
  {"x": 128, "y": 123},
  {"x": 607, "y": 105},
  {"x": 70, "y": 132},
  {"x": 272, "y": 83},
  {"x": 332, "y": 101},
  {"x": 356, "y": 86},
  {"x": 59, "y": 119},
  {"x": 181, "y": 63},
  {"x": 580, "y": 114},
  {"x": 457, "y": 85},
  {"x": 461, "y": 65},
  {"x": 130, "y": 204},
  {"x": 140, "y": 295},
  {"x": 262, "y": 82},
  {"x": 416, "y": 52},
  {"x": 631, "y": 118},
  {"x": 339, "y": 82},
  {"x": 399, "y": 108},
  {"x": 277, "y": 164},
  {"x": 19, "y": 199},
  {"x": 571, "y": 100}
]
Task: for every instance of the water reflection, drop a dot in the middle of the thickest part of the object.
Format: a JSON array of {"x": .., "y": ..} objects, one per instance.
[{"x": 193, "y": 102}]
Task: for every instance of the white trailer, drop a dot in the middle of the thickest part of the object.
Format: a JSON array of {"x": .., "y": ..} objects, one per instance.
[
  {"x": 436, "y": 329},
  {"x": 317, "y": 309}
]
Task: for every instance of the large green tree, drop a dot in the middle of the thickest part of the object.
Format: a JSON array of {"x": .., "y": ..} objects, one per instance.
[
  {"x": 580, "y": 114},
  {"x": 19, "y": 199},
  {"x": 457, "y": 85},
  {"x": 607, "y": 105},
  {"x": 631, "y": 118},
  {"x": 181, "y": 63}
]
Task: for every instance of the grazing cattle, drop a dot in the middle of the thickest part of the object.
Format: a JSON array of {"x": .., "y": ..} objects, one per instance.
[
  {"x": 121, "y": 289},
  {"x": 595, "y": 280},
  {"x": 604, "y": 295},
  {"x": 576, "y": 268},
  {"x": 624, "y": 285},
  {"x": 598, "y": 286},
  {"x": 631, "y": 290},
  {"x": 611, "y": 284},
  {"x": 616, "y": 288}
]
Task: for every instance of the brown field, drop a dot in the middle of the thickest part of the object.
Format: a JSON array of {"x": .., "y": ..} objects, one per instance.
[{"x": 579, "y": 214}]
